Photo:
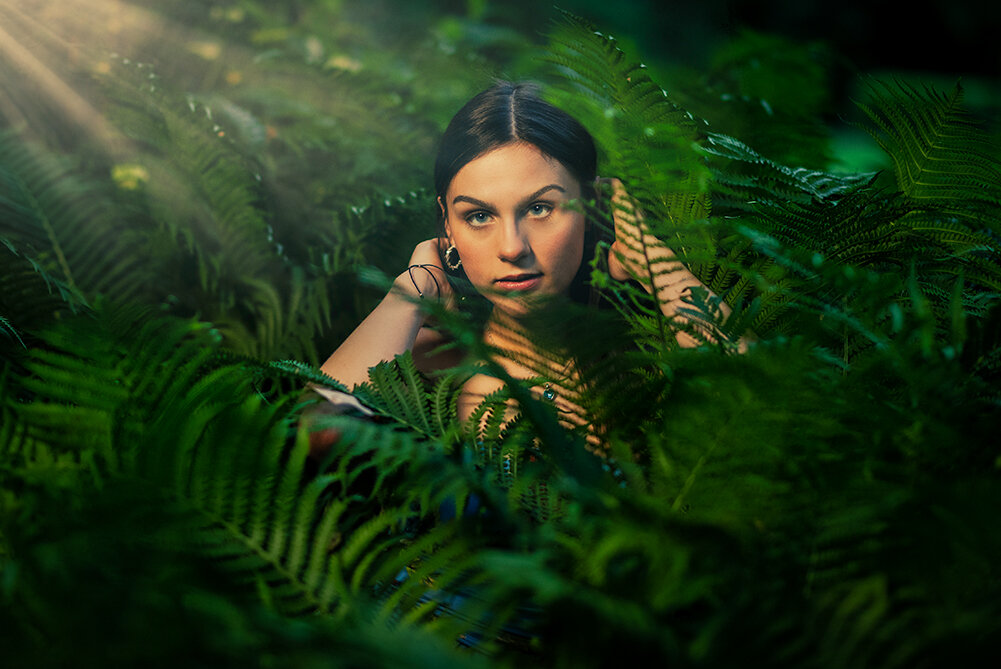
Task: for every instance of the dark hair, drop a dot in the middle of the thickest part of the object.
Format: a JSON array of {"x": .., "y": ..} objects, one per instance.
[{"x": 515, "y": 112}]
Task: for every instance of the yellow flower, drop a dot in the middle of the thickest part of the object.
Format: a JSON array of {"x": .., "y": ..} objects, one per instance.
[
  {"x": 314, "y": 49},
  {"x": 207, "y": 50},
  {"x": 129, "y": 176},
  {"x": 342, "y": 63}
]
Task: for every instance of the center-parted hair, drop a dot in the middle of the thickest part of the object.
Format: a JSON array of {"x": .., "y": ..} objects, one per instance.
[
  {"x": 515, "y": 112},
  {"x": 508, "y": 112}
]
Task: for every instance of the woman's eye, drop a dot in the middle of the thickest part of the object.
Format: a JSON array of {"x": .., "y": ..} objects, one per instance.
[
  {"x": 478, "y": 218},
  {"x": 540, "y": 209}
]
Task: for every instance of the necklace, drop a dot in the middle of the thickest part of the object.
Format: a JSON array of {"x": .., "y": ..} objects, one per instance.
[{"x": 523, "y": 359}]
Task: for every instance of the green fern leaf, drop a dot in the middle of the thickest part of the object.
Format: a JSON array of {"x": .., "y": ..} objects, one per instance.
[{"x": 940, "y": 155}]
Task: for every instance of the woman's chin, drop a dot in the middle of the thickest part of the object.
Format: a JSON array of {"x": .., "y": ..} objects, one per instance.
[
  {"x": 517, "y": 305},
  {"x": 512, "y": 306}
]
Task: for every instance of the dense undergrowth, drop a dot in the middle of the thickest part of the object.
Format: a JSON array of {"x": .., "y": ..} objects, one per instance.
[{"x": 825, "y": 499}]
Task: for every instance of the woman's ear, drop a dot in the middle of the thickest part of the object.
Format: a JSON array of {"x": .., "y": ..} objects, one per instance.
[{"x": 444, "y": 217}]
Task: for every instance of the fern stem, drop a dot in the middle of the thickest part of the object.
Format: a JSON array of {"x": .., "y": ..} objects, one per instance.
[
  {"x": 690, "y": 480},
  {"x": 49, "y": 232}
]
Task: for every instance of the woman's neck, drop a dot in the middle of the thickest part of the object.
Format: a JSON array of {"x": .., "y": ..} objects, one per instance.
[
  {"x": 518, "y": 351},
  {"x": 553, "y": 375}
]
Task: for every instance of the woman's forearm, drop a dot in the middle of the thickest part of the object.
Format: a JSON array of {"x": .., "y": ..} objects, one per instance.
[
  {"x": 388, "y": 331},
  {"x": 664, "y": 276},
  {"x": 638, "y": 254},
  {"x": 672, "y": 287},
  {"x": 394, "y": 325}
]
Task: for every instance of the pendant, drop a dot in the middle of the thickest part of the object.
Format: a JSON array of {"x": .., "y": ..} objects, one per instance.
[{"x": 548, "y": 393}]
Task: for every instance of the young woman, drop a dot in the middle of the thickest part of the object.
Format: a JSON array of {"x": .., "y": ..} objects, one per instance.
[{"x": 513, "y": 176}]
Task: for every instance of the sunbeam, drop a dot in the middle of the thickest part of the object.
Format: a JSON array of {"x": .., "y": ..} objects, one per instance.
[{"x": 52, "y": 52}]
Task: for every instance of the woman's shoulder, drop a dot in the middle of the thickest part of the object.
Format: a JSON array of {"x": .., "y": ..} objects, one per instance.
[
  {"x": 482, "y": 384},
  {"x": 475, "y": 389},
  {"x": 432, "y": 351}
]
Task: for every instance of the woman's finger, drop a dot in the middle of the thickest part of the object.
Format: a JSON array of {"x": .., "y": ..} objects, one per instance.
[{"x": 425, "y": 274}]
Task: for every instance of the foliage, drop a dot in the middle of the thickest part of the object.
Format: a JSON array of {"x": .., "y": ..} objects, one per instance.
[{"x": 824, "y": 499}]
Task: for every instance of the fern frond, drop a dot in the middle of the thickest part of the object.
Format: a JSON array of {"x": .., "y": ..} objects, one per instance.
[
  {"x": 646, "y": 137},
  {"x": 30, "y": 294},
  {"x": 941, "y": 157},
  {"x": 154, "y": 405},
  {"x": 10, "y": 331},
  {"x": 399, "y": 391},
  {"x": 745, "y": 178},
  {"x": 602, "y": 71},
  {"x": 206, "y": 197},
  {"x": 63, "y": 226}
]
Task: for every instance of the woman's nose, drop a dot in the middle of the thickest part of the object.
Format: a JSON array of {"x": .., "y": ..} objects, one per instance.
[{"x": 513, "y": 243}]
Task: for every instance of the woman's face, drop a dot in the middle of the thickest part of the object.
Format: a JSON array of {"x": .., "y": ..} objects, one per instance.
[{"x": 506, "y": 213}]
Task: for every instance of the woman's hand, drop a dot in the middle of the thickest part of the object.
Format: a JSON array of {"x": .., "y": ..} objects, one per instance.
[
  {"x": 635, "y": 253},
  {"x": 425, "y": 278}
]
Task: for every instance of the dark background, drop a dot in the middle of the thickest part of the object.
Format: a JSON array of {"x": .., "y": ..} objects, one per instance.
[
  {"x": 957, "y": 37},
  {"x": 954, "y": 38}
]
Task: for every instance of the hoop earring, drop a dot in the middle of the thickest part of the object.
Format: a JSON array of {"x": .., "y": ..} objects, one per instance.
[{"x": 452, "y": 259}]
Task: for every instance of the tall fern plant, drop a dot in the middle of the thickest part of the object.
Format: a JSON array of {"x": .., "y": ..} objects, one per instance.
[
  {"x": 757, "y": 231},
  {"x": 126, "y": 409}
]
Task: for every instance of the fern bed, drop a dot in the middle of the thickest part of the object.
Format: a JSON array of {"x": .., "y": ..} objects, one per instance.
[{"x": 827, "y": 498}]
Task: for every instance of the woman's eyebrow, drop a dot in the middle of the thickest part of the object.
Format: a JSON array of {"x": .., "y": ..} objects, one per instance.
[
  {"x": 542, "y": 190},
  {"x": 481, "y": 203},
  {"x": 471, "y": 200}
]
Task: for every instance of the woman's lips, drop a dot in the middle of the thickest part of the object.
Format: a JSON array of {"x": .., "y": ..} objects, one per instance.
[{"x": 518, "y": 282}]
